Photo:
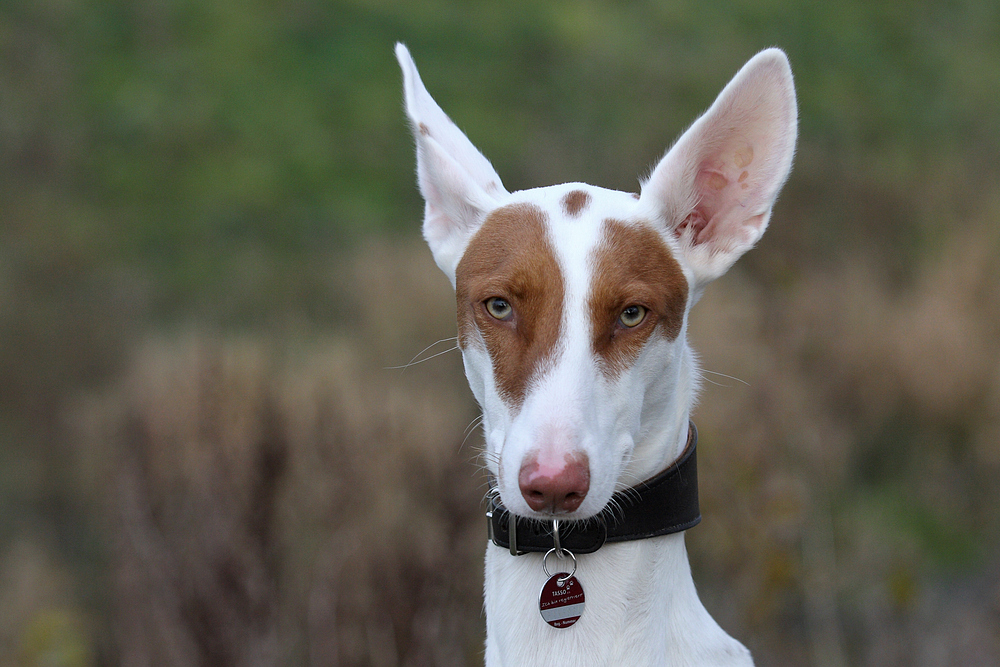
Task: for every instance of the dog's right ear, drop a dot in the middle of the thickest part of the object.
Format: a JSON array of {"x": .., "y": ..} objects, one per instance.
[{"x": 459, "y": 185}]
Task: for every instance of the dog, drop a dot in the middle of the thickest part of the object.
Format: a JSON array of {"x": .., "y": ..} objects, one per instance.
[{"x": 572, "y": 307}]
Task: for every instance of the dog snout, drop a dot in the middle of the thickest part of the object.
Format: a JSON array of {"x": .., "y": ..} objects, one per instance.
[{"x": 556, "y": 488}]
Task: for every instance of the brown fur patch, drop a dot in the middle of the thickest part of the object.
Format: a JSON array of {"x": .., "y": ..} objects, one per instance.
[
  {"x": 511, "y": 257},
  {"x": 574, "y": 202},
  {"x": 633, "y": 266}
]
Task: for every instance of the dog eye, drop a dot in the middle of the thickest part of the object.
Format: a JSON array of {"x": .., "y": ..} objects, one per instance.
[
  {"x": 632, "y": 316},
  {"x": 499, "y": 308}
]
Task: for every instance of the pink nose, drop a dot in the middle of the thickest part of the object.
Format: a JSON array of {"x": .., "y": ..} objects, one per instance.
[{"x": 555, "y": 488}]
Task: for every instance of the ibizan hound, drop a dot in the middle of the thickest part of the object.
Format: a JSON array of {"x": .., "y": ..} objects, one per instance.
[{"x": 573, "y": 307}]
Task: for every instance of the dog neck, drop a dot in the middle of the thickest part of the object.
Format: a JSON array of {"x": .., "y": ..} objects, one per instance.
[{"x": 641, "y": 609}]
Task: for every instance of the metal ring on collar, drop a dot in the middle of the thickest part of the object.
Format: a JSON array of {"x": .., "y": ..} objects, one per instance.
[{"x": 545, "y": 567}]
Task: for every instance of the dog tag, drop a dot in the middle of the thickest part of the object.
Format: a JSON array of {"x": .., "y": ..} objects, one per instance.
[{"x": 561, "y": 600}]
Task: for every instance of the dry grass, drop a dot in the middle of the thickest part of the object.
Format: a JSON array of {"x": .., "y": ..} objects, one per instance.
[{"x": 295, "y": 502}]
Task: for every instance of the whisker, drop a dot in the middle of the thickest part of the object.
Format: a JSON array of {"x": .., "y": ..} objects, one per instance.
[
  {"x": 491, "y": 493},
  {"x": 718, "y": 384},
  {"x": 473, "y": 424},
  {"x": 613, "y": 513},
  {"x": 482, "y": 457},
  {"x": 416, "y": 358},
  {"x": 469, "y": 430},
  {"x": 488, "y": 457}
]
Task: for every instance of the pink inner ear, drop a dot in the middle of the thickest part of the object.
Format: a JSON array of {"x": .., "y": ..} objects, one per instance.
[
  {"x": 716, "y": 195},
  {"x": 696, "y": 222},
  {"x": 723, "y": 186}
]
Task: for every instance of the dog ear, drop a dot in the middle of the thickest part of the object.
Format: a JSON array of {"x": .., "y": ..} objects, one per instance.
[
  {"x": 715, "y": 188},
  {"x": 459, "y": 185}
]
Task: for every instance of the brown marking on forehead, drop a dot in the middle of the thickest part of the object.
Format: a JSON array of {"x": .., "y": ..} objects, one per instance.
[
  {"x": 510, "y": 257},
  {"x": 633, "y": 266},
  {"x": 574, "y": 202}
]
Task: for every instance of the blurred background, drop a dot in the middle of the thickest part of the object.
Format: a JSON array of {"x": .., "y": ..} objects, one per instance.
[{"x": 210, "y": 264}]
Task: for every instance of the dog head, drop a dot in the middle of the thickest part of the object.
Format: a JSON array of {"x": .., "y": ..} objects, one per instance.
[{"x": 573, "y": 300}]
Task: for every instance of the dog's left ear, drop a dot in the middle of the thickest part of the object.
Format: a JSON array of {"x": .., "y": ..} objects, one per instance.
[
  {"x": 459, "y": 185},
  {"x": 715, "y": 188}
]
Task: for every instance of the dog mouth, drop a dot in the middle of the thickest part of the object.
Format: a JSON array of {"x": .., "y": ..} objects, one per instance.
[{"x": 546, "y": 515}]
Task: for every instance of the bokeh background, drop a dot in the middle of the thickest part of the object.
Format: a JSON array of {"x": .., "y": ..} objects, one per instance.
[{"x": 210, "y": 264}]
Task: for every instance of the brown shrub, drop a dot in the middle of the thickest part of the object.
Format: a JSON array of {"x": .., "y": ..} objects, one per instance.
[{"x": 297, "y": 502}]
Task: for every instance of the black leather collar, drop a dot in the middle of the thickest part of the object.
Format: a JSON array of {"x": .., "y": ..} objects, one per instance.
[{"x": 664, "y": 504}]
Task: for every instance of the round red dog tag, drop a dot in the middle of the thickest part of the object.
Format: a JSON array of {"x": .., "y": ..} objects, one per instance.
[{"x": 561, "y": 600}]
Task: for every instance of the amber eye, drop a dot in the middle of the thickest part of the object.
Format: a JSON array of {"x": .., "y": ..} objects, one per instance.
[
  {"x": 632, "y": 316},
  {"x": 499, "y": 308}
]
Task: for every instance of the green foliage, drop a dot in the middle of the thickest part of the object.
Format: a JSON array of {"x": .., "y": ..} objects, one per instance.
[
  {"x": 217, "y": 164},
  {"x": 185, "y": 140}
]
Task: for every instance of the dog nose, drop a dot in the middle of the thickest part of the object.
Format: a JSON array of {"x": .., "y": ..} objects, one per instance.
[{"x": 555, "y": 488}]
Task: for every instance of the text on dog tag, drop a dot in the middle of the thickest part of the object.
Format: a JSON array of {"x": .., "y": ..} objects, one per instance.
[{"x": 561, "y": 605}]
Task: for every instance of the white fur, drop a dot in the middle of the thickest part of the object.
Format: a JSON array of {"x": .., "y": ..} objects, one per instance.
[{"x": 642, "y": 607}]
